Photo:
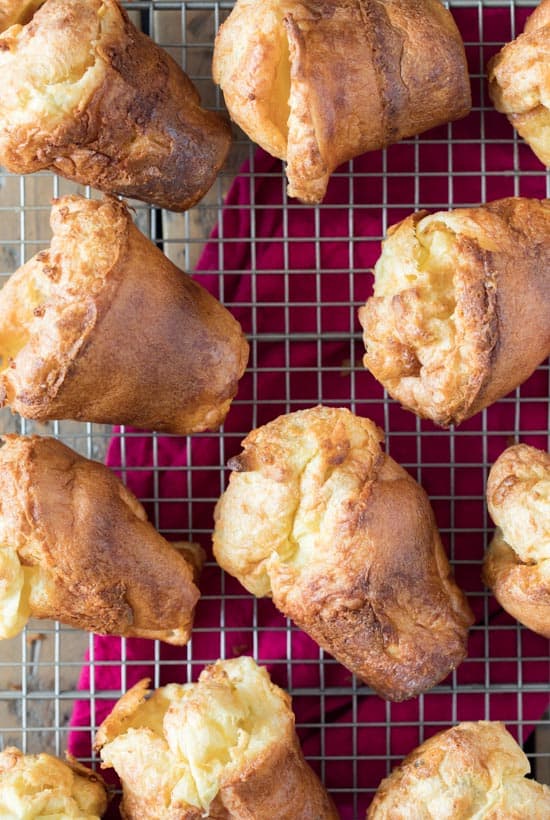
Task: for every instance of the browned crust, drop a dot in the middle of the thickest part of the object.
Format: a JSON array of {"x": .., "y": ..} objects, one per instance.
[
  {"x": 83, "y": 771},
  {"x": 367, "y": 74},
  {"x": 502, "y": 288},
  {"x": 386, "y": 605},
  {"x": 379, "y": 66},
  {"x": 526, "y": 110},
  {"x": 123, "y": 709},
  {"x": 103, "y": 567},
  {"x": 279, "y": 784},
  {"x": 520, "y": 588},
  {"x": 519, "y": 272},
  {"x": 404, "y": 598},
  {"x": 142, "y": 134},
  {"x": 150, "y": 347}
]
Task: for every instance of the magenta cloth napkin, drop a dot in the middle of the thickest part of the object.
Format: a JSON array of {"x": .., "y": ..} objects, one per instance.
[{"x": 345, "y": 739}]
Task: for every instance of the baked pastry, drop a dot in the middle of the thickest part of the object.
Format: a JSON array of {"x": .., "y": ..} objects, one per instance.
[
  {"x": 519, "y": 82},
  {"x": 103, "y": 327},
  {"x": 461, "y": 309},
  {"x": 317, "y": 516},
  {"x": 77, "y": 547},
  {"x": 318, "y": 83},
  {"x": 224, "y": 747},
  {"x": 474, "y": 770},
  {"x": 17, "y": 11},
  {"x": 517, "y": 565},
  {"x": 86, "y": 95},
  {"x": 40, "y": 786}
]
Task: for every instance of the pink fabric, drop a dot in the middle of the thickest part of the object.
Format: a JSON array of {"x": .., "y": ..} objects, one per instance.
[{"x": 514, "y": 686}]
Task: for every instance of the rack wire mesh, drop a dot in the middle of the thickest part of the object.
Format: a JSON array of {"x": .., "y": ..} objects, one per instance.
[{"x": 296, "y": 288}]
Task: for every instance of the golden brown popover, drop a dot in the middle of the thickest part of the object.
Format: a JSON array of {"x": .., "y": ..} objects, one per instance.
[
  {"x": 224, "y": 747},
  {"x": 42, "y": 786},
  {"x": 103, "y": 327},
  {"x": 317, "y": 83},
  {"x": 77, "y": 547},
  {"x": 517, "y": 565},
  {"x": 474, "y": 770},
  {"x": 460, "y": 314},
  {"x": 519, "y": 82},
  {"x": 85, "y": 94},
  {"x": 318, "y": 517}
]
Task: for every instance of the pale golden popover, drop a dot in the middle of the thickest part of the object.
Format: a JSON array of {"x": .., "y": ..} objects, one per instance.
[
  {"x": 460, "y": 314},
  {"x": 474, "y": 771},
  {"x": 519, "y": 82},
  {"x": 40, "y": 786},
  {"x": 517, "y": 565},
  {"x": 224, "y": 747}
]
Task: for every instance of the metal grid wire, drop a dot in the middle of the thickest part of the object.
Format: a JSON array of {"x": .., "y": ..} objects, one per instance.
[{"x": 305, "y": 348}]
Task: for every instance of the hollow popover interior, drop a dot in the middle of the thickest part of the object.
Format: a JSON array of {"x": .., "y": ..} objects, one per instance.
[{"x": 182, "y": 742}]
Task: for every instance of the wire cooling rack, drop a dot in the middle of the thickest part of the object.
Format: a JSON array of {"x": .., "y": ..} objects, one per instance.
[{"x": 295, "y": 276}]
